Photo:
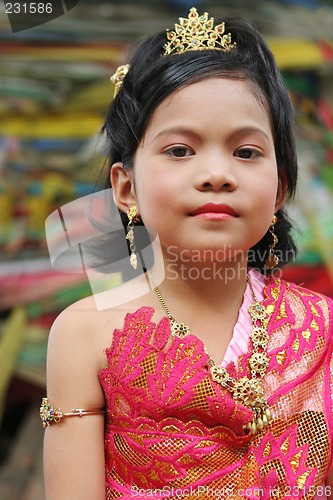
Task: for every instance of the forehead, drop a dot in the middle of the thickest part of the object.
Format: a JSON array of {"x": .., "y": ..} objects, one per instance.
[{"x": 211, "y": 102}]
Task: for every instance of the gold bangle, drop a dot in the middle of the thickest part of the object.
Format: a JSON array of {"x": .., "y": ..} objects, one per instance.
[{"x": 50, "y": 415}]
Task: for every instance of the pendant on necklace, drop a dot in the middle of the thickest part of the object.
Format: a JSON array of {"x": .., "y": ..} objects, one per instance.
[
  {"x": 179, "y": 329},
  {"x": 251, "y": 393}
]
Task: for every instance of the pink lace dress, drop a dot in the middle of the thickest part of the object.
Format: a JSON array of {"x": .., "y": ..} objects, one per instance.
[{"x": 171, "y": 432}]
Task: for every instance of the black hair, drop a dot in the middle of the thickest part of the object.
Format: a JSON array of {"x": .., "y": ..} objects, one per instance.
[{"x": 153, "y": 76}]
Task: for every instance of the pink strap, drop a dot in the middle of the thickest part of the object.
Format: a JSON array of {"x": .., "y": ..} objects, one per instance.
[{"x": 238, "y": 345}]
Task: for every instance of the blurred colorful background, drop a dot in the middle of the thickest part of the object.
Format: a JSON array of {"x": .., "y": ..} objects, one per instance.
[{"x": 54, "y": 91}]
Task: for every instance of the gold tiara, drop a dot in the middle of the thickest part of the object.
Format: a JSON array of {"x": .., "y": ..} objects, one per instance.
[
  {"x": 193, "y": 33},
  {"x": 197, "y": 33}
]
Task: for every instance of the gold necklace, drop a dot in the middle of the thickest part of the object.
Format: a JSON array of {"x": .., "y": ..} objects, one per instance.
[{"x": 247, "y": 391}]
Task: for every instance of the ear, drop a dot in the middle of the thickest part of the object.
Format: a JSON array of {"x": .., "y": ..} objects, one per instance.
[
  {"x": 122, "y": 186},
  {"x": 281, "y": 190}
]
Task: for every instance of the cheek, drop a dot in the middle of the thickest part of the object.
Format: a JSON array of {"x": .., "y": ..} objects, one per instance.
[
  {"x": 268, "y": 196},
  {"x": 156, "y": 187},
  {"x": 153, "y": 198},
  {"x": 265, "y": 194},
  {"x": 267, "y": 188}
]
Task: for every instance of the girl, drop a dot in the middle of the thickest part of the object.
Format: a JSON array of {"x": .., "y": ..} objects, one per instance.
[{"x": 211, "y": 377}]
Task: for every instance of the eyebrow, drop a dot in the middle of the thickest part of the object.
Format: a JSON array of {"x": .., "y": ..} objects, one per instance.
[
  {"x": 189, "y": 132},
  {"x": 176, "y": 130},
  {"x": 251, "y": 130}
]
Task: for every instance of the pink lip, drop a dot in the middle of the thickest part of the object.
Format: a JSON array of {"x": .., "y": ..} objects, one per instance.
[{"x": 214, "y": 211}]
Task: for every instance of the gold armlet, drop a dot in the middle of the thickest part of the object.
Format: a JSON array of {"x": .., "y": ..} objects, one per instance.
[{"x": 50, "y": 415}]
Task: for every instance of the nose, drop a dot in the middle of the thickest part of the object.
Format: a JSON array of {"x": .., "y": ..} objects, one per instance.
[{"x": 216, "y": 176}]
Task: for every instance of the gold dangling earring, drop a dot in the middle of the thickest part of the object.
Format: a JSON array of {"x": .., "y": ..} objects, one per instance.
[
  {"x": 272, "y": 259},
  {"x": 133, "y": 216}
]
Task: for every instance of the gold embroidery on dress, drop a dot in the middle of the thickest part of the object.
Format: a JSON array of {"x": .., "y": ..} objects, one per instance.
[
  {"x": 280, "y": 357},
  {"x": 296, "y": 345},
  {"x": 306, "y": 335}
]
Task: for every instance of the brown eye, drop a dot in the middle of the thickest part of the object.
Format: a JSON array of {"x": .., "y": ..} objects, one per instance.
[
  {"x": 180, "y": 152},
  {"x": 248, "y": 153}
]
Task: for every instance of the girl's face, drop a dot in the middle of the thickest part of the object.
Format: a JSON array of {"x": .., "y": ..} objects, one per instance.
[{"x": 205, "y": 173}]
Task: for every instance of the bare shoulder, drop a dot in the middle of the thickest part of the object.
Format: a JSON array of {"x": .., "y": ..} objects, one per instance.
[
  {"x": 76, "y": 328},
  {"x": 77, "y": 343},
  {"x": 73, "y": 358},
  {"x": 93, "y": 319},
  {"x": 78, "y": 320}
]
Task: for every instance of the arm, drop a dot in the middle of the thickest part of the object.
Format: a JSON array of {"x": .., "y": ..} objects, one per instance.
[{"x": 74, "y": 448}]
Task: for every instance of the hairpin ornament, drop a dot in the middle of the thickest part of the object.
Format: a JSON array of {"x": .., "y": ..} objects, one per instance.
[
  {"x": 197, "y": 33},
  {"x": 118, "y": 77}
]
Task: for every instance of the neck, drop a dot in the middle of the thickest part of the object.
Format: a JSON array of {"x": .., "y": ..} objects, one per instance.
[{"x": 212, "y": 285}]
